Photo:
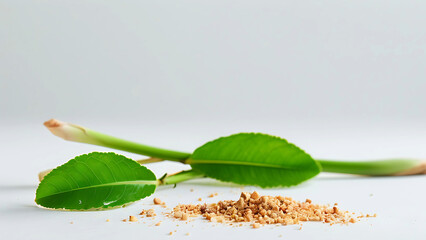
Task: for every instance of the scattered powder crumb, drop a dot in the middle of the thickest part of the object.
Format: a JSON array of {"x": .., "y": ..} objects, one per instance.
[
  {"x": 280, "y": 235},
  {"x": 212, "y": 195},
  {"x": 148, "y": 213},
  {"x": 158, "y": 224},
  {"x": 71, "y": 222},
  {"x": 170, "y": 233},
  {"x": 107, "y": 220},
  {"x": 124, "y": 220},
  {"x": 191, "y": 190},
  {"x": 133, "y": 219},
  {"x": 187, "y": 234},
  {"x": 200, "y": 199},
  {"x": 260, "y": 210}
]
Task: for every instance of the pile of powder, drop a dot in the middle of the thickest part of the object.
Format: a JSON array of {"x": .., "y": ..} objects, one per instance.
[{"x": 256, "y": 209}]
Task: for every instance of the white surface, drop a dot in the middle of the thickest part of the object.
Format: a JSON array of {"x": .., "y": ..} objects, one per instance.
[{"x": 398, "y": 202}]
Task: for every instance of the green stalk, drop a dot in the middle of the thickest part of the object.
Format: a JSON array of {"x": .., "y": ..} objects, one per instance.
[
  {"x": 77, "y": 133},
  {"x": 374, "y": 168}
]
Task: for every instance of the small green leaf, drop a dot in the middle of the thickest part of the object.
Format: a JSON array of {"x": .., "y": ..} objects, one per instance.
[
  {"x": 95, "y": 181},
  {"x": 254, "y": 159}
]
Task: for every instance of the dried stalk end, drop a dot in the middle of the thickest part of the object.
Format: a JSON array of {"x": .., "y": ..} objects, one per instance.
[
  {"x": 416, "y": 170},
  {"x": 69, "y": 131},
  {"x": 52, "y": 123}
]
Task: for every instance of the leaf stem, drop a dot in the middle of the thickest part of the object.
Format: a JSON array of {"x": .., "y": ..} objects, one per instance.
[
  {"x": 72, "y": 132},
  {"x": 375, "y": 168},
  {"x": 180, "y": 177}
]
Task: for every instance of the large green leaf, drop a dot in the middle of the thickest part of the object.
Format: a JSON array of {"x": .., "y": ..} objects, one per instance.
[
  {"x": 254, "y": 159},
  {"x": 95, "y": 181}
]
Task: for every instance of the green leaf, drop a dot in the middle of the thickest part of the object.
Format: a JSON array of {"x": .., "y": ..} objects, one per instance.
[
  {"x": 254, "y": 159},
  {"x": 95, "y": 181}
]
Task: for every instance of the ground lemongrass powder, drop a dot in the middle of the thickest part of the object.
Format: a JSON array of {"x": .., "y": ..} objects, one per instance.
[{"x": 258, "y": 210}]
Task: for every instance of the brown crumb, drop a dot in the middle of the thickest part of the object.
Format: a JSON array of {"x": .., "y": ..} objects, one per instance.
[
  {"x": 170, "y": 233},
  {"x": 124, "y": 220},
  {"x": 191, "y": 190},
  {"x": 212, "y": 195},
  {"x": 71, "y": 222},
  {"x": 177, "y": 214},
  {"x": 255, "y": 195},
  {"x": 255, "y": 225},
  {"x": 185, "y": 216},
  {"x": 158, "y": 224},
  {"x": 133, "y": 219},
  {"x": 158, "y": 201},
  {"x": 200, "y": 199}
]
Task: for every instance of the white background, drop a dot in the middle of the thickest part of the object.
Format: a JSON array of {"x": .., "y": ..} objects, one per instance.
[{"x": 341, "y": 79}]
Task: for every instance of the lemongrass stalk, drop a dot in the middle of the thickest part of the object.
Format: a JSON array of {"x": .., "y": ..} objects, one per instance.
[
  {"x": 42, "y": 174},
  {"x": 72, "y": 132}
]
